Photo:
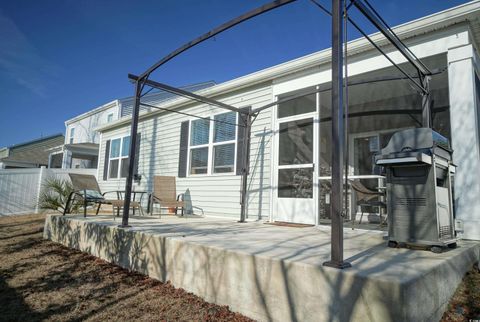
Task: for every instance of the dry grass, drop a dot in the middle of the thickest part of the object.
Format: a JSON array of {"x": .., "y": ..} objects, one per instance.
[
  {"x": 41, "y": 280},
  {"x": 465, "y": 304}
]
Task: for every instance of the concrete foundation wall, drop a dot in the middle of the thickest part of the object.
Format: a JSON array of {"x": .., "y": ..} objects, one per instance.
[{"x": 267, "y": 288}]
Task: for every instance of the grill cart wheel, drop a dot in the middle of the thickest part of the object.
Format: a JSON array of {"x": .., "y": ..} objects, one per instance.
[
  {"x": 392, "y": 244},
  {"x": 452, "y": 245}
]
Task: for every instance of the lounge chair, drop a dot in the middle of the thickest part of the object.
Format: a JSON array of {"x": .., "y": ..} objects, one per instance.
[
  {"x": 367, "y": 198},
  {"x": 164, "y": 193},
  {"x": 87, "y": 191}
]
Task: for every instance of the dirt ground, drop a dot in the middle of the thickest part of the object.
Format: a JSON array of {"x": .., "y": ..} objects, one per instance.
[
  {"x": 465, "y": 303},
  {"x": 41, "y": 280}
]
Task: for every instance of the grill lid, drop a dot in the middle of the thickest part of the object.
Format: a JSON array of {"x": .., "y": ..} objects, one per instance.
[
  {"x": 419, "y": 143},
  {"x": 415, "y": 140}
]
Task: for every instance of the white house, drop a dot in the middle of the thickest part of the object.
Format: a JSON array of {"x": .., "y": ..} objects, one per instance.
[
  {"x": 82, "y": 138},
  {"x": 291, "y": 141}
]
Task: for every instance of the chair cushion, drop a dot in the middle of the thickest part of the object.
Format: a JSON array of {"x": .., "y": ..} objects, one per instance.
[{"x": 93, "y": 194}]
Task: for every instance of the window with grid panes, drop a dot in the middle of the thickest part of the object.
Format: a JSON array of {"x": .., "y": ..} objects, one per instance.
[
  {"x": 118, "y": 158},
  {"x": 212, "y": 144}
]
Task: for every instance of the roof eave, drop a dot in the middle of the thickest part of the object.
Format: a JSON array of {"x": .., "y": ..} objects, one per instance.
[{"x": 442, "y": 19}]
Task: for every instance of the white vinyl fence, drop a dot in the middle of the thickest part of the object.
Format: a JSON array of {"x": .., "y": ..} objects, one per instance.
[{"x": 20, "y": 188}]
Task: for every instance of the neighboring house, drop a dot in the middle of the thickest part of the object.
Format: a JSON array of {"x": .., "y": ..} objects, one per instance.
[
  {"x": 80, "y": 149},
  {"x": 32, "y": 154},
  {"x": 291, "y": 142}
]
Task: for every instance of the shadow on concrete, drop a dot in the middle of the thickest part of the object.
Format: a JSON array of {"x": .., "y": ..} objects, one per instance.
[{"x": 283, "y": 277}]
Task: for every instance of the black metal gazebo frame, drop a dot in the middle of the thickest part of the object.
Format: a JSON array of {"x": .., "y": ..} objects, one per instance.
[{"x": 339, "y": 23}]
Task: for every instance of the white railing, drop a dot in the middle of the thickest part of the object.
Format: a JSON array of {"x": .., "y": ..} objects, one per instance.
[{"x": 20, "y": 188}]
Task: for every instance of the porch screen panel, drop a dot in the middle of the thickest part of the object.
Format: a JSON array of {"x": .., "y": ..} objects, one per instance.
[
  {"x": 378, "y": 109},
  {"x": 297, "y": 106},
  {"x": 295, "y": 159},
  {"x": 296, "y": 142},
  {"x": 295, "y": 183}
]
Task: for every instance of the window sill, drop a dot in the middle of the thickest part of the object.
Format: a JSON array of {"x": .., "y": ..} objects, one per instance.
[{"x": 212, "y": 175}]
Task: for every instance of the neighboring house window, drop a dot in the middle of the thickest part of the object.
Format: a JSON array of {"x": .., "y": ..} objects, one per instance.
[
  {"x": 212, "y": 144},
  {"x": 110, "y": 118},
  {"x": 118, "y": 159},
  {"x": 72, "y": 134}
]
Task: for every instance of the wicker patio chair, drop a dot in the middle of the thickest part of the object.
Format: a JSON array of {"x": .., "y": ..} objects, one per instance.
[
  {"x": 87, "y": 191},
  {"x": 164, "y": 193}
]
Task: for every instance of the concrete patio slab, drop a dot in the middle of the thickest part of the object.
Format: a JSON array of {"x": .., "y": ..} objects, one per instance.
[{"x": 273, "y": 273}]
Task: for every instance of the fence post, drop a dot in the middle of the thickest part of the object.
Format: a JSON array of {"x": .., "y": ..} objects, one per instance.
[{"x": 39, "y": 188}]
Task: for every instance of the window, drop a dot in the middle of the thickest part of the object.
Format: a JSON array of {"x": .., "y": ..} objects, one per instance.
[
  {"x": 110, "y": 118},
  {"x": 224, "y": 142},
  {"x": 72, "y": 134},
  {"x": 199, "y": 143},
  {"x": 118, "y": 158},
  {"x": 212, "y": 144}
]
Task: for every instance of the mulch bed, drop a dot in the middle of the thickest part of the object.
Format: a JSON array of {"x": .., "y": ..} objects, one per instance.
[{"x": 41, "y": 280}]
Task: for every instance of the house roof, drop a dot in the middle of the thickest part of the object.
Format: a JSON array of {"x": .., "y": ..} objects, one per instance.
[
  {"x": 34, "y": 151},
  {"x": 125, "y": 104},
  {"x": 159, "y": 97},
  {"x": 468, "y": 12}
]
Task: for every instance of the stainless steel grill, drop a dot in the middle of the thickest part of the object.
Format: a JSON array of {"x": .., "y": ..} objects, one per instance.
[{"x": 419, "y": 170}]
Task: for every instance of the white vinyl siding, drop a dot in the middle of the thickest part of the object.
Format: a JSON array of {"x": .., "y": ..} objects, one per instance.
[
  {"x": 214, "y": 195},
  {"x": 85, "y": 128}
]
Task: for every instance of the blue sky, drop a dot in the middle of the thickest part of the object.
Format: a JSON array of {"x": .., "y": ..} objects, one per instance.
[{"x": 61, "y": 58}]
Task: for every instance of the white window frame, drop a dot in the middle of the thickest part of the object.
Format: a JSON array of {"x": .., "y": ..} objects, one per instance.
[
  {"x": 210, "y": 145},
  {"x": 110, "y": 118},
  {"x": 71, "y": 135},
  {"x": 120, "y": 158}
]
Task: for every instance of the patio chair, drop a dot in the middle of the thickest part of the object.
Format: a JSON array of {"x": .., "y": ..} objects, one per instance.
[
  {"x": 164, "y": 193},
  {"x": 367, "y": 198},
  {"x": 87, "y": 191}
]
